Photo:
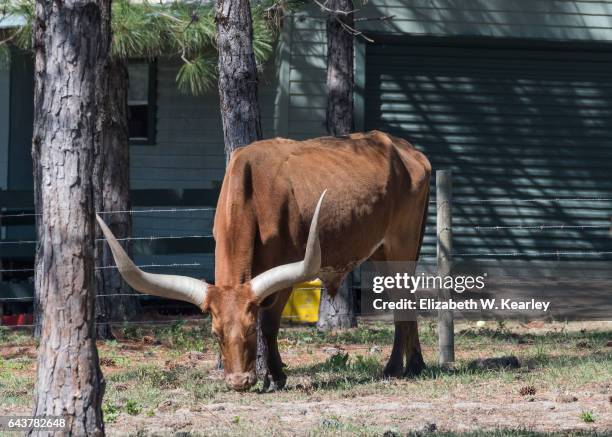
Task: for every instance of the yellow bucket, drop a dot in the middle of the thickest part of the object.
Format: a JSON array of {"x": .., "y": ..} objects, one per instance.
[{"x": 303, "y": 305}]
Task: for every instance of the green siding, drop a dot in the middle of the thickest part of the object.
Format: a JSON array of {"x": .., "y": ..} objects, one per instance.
[
  {"x": 563, "y": 20},
  {"x": 511, "y": 123},
  {"x": 307, "y": 100},
  {"x": 21, "y": 116},
  {"x": 4, "y": 121},
  {"x": 545, "y": 19},
  {"x": 188, "y": 153},
  {"x": 283, "y": 67}
]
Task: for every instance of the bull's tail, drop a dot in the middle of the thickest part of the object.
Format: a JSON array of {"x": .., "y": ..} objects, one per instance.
[{"x": 423, "y": 223}]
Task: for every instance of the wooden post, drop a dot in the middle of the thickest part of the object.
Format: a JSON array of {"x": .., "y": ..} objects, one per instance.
[{"x": 444, "y": 199}]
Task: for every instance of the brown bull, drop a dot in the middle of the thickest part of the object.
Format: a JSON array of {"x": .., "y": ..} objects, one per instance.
[{"x": 377, "y": 191}]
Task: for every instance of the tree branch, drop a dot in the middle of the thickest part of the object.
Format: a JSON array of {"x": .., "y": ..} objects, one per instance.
[
  {"x": 334, "y": 11},
  {"x": 384, "y": 18},
  {"x": 353, "y": 31},
  {"x": 12, "y": 37}
]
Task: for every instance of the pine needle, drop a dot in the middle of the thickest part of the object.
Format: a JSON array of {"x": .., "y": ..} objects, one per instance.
[
  {"x": 183, "y": 30},
  {"x": 137, "y": 31},
  {"x": 20, "y": 37},
  {"x": 197, "y": 76}
]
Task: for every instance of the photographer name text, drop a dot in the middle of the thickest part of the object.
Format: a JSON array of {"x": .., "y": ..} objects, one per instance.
[{"x": 461, "y": 305}]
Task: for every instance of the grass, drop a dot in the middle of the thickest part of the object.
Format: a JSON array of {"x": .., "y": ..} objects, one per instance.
[
  {"x": 506, "y": 433},
  {"x": 13, "y": 337},
  {"x": 150, "y": 371},
  {"x": 587, "y": 417},
  {"x": 111, "y": 413}
]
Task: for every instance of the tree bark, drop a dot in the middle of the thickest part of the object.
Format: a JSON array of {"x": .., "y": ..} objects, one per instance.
[
  {"x": 71, "y": 41},
  {"x": 338, "y": 312},
  {"x": 112, "y": 169},
  {"x": 340, "y": 68},
  {"x": 237, "y": 75},
  {"x": 238, "y": 97}
]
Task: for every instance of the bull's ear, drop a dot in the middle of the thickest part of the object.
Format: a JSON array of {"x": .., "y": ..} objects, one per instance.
[
  {"x": 287, "y": 275},
  {"x": 205, "y": 306}
]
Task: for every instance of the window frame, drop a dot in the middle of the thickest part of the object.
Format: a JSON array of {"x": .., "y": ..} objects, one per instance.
[{"x": 151, "y": 138}]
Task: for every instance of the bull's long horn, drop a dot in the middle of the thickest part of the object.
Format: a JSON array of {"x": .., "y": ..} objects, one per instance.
[
  {"x": 287, "y": 275},
  {"x": 169, "y": 286}
]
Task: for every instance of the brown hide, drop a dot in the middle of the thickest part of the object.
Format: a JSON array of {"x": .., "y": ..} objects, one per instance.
[
  {"x": 377, "y": 188},
  {"x": 271, "y": 187}
]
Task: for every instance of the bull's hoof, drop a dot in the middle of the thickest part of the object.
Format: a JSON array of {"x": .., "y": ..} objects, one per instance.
[
  {"x": 271, "y": 385},
  {"x": 415, "y": 365},
  {"x": 393, "y": 369}
]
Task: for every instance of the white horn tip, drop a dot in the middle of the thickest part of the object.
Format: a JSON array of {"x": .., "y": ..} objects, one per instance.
[{"x": 321, "y": 199}]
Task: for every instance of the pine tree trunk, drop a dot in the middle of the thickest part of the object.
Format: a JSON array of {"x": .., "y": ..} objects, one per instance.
[
  {"x": 71, "y": 40},
  {"x": 38, "y": 204},
  {"x": 112, "y": 168},
  {"x": 339, "y": 312},
  {"x": 339, "y": 69},
  {"x": 237, "y": 75},
  {"x": 238, "y": 97}
]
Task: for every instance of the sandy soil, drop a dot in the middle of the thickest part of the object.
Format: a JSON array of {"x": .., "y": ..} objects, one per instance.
[{"x": 372, "y": 408}]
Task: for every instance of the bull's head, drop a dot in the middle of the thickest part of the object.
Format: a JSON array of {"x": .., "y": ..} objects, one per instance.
[{"x": 233, "y": 309}]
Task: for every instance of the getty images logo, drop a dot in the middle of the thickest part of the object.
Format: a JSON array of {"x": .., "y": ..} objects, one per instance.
[{"x": 412, "y": 283}]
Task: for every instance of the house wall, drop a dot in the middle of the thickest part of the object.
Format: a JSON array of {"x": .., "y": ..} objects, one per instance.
[
  {"x": 4, "y": 122},
  {"x": 189, "y": 145},
  {"x": 188, "y": 153},
  {"x": 543, "y": 19},
  {"x": 561, "y": 20},
  {"x": 402, "y": 79},
  {"x": 20, "y": 121}
]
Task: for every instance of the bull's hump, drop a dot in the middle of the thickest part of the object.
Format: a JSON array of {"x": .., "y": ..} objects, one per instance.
[{"x": 356, "y": 142}]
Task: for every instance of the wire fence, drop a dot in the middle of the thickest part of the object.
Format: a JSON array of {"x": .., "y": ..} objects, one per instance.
[
  {"x": 126, "y": 211},
  {"x": 137, "y": 295},
  {"x": 120, "y": 322},
  {"x": 431, "y": 200},
  {"x": 530, "y": 200},
  {"x": 171, "y": 265},
  {"x": 531, "y": 254},
  {"x": 147, "y": 238},
  {"x": 167, "y": 322},
  {"x": 532, "y": 227},
  {"x": 479, "y": 228}
]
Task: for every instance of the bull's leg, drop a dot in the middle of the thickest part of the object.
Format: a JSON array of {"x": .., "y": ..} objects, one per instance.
[
  {"x": 414, "y": 358},
  {"x": 406, "y": 339},
  {"x": 405, "y": 343},
  {"x": 274, "y": 378},
  {"x": 395, "y": 365}
]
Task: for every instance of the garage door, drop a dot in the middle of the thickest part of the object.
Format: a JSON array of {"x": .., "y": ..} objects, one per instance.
[{"x": 527, "y": 133}]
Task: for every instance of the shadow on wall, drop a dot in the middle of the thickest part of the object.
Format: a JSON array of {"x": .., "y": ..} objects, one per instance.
[{"x": 512, "y": 119}]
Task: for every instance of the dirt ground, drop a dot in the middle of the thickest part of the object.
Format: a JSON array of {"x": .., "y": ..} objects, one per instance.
[{"x": 162, "y": 381}]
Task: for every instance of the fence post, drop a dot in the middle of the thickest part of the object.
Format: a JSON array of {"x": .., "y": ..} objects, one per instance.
[{"x": 444, "y": 199}]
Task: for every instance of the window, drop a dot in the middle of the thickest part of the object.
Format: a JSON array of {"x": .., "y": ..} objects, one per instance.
[{"x": 141, "y": 102}]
